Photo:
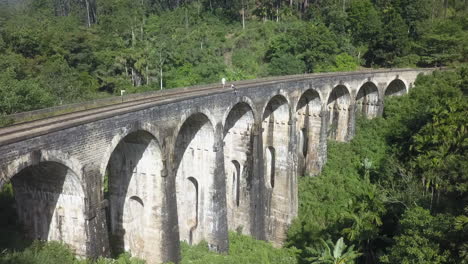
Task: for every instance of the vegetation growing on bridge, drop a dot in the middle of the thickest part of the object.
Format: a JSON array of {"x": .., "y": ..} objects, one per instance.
[{"x": 56, "y": 52}]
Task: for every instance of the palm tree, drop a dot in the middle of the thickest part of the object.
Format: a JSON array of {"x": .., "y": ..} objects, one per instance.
[{"x": 341, "y": 254}]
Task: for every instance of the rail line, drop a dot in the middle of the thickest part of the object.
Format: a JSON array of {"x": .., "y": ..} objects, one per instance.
[
  {"x": 20, "y": 131},
  {"x": 103, "y": 109}
]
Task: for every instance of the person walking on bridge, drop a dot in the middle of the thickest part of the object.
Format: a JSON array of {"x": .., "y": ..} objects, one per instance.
[{"x": 233, "y": 87}]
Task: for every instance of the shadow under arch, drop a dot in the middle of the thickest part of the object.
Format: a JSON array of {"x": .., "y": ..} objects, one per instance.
[
  {"x": 134, "y": 188},
  {"x": 276, "y": 113},
  {"x": 238, "y": 161},
  {"x": 308, "y": 127},
  {"x": 117, "y": 139},
  {"x": 194, "y": 160},
  {"x": 338, "y": 105},
  {"x": 244, "y": 101},
  {"x": 50, "y": 202},
  {"x": 278, "y": 176},
  {"x": 239, "y": 113},
  {"x": 396, "y": 87},
  {"x": 367, "y": 100}
]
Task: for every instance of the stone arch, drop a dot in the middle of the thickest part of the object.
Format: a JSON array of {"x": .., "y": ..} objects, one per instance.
[
  {"x": 275, "y": 126},
  {"x": 278, "y": 99},
  {"x": 50, "y": 198},
  {"x": 121, "y": 134},
  {"x": 244, "y": 101},
  {"x": 238, "y": 162},
  {"x": 194, "y": 158},
  {"x": 134, "y": 188},
  {"x": 367, "y": 100},
  {"x": 189, "y": 114},
  {"x": 308, "y": 126},
  {"x": 396, "y": 87},
  {"x": 278, "y": 175},
  {"x": 35, "y": 157},
  {"x": 338, "y": 105},
  {"x": 277, "y": 106}
]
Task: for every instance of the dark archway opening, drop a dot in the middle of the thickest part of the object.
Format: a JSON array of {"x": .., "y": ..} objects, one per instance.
[
  {"x": 133, "y": 175},
  {"x": 238, "y": 161},
  {"x": 43, "y": 202},
  {"x": 395, "y": 88},
  {"x": 195, "y": 163},
  {"x": 367, "y": 100},
  {"x": 308, "y": 124},
  {"x": 338, "y": 107}
]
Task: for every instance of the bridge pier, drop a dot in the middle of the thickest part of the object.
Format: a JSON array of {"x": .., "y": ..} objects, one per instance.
[{"x": 185, "y": 167}]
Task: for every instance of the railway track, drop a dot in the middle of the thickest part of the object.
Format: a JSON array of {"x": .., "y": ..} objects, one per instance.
[{"x": 37, "y": 127}]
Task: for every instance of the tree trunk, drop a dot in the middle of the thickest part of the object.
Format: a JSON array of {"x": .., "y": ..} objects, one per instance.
[
  {"x": 161, "y": 77},
  {"x": 87, "y": 13},
  {"x": 147, "y": 76},
  {"x": 133, "y": 37},
  {"x": 243, "y": 18},
  {"x": 61, "y": 7},
  {"x": 243, "y": 14},
  {"x": 445, "y": 8},
  {"x": 186, "y": 18},
  {"x": 141, "y": 28},
  {"x": 277, "y": 14}
]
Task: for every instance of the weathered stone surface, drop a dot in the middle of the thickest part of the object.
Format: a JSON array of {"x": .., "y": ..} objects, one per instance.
[{"x": 188, "y": 169}]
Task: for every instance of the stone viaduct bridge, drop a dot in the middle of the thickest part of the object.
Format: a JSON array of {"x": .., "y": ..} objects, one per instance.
[{"x": 185, "y": 165}]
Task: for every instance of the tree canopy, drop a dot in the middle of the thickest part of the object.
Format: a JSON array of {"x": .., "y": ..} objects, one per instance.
[{"x": 76, "y": 50}]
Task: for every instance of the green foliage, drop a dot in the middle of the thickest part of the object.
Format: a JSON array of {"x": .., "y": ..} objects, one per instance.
[
  {"x": 441, "y": 145},
  {"x": 316, "y": 45},
  {"x": 337, "y": 253},
  {"x": 286, "y": 64},
  {"x": 20, "y": 95},
  {"x": 443, "y": 42},
  {"x": 39, "y": 252},
  {"x": 420, "y": 238},
  {"x": 364, "y": 21},
  {"x": 355, "y": 206},
  {"x": 391, "y": 42},
  {"x": 342, "y": 62},
  {"x": 242, "y": 250},
  {"x": 56, "y": 253},
  {"x": 69, "y": 54}
]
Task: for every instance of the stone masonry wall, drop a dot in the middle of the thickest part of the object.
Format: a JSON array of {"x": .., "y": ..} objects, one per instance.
[{"x": 189, "y": 169}]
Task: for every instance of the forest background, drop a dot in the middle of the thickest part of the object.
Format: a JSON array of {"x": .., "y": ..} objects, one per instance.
[
  {"x": 54, "y": 52},
  {"x": 397, "y": 193}
]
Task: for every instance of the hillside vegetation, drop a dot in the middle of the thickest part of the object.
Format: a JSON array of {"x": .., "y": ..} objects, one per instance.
[{"x": 58, "y": 52}]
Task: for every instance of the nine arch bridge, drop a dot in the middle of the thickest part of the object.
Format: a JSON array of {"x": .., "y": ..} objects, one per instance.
[{"x": 185, "y": 164}]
